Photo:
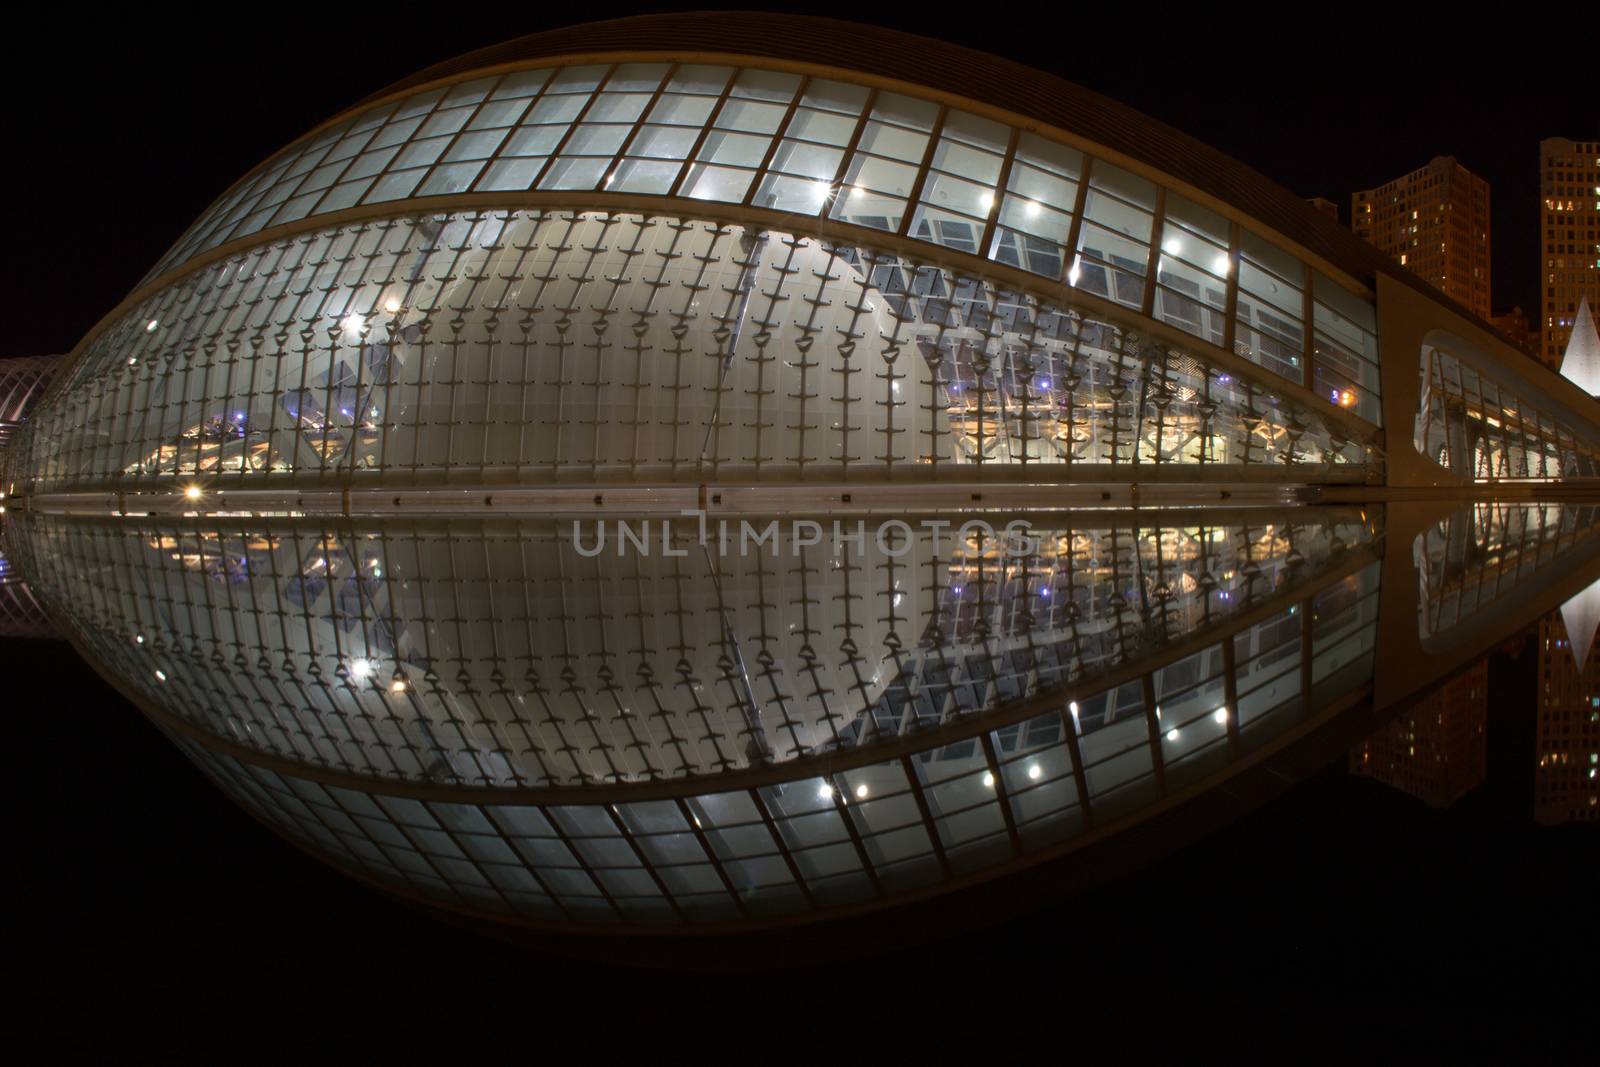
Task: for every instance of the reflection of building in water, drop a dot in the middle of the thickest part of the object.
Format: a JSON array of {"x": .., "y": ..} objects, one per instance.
[
  {"x": 1567, "y": 780},
  {"x": 477, "y": 713},
  {"x": 20, "y": 613},
  {"x": 633, "y": 667},
  {"x": 1436, "y": 750}
]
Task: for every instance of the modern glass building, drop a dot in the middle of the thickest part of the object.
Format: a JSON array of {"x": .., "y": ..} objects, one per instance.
[
  {"x": 22, "y": 382},
  {"x": 325, "y": 494}
]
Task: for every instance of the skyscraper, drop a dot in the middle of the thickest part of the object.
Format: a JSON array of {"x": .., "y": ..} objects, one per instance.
[
  {"x": 1435, "y": 221},
  {"x": 1569, "y": 221}
]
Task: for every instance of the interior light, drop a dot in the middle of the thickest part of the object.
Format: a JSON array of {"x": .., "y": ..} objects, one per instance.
[
  {"x": 361, "y": 670},
  {"x": 150, "y": 327},
  {"x": 1172, "y": 734},
  {"x": 1220, "y": 265},
  {"x": 1172, "y": 246},
  {"x": 986, "y": 201},
  {"x": 133, "y": 361},
  {"x": 138, "y": 639},
  {"x": 1031, "y": 208},
  {"x": 1034, "y": 771},
  {"x": 161, "y": 676},
  {"x": 352, "y": 322},
  {"x": 193, "y": 492},
  {"x": 988, "y": 780},
  {"x": 824, "y": 791},
  {"x": 861, "y": 792},
  {"x": 391, "y": 305},
  {"x": 856, "y": 192},
  {"x": 1221, "y": 715},
  {"x": 821, "y": 189},
  {"x": 398, "y": 685}
]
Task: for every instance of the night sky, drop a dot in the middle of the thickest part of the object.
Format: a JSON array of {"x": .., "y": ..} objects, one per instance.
[
  {"x": 176, "y": 112},
  {"x": 159, "y": 917}
]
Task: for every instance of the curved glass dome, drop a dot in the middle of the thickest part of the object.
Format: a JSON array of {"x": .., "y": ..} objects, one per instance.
[{"x": 643, "y": 476}]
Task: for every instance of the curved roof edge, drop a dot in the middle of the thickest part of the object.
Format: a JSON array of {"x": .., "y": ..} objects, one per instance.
[{"x": 958, "y": 71}]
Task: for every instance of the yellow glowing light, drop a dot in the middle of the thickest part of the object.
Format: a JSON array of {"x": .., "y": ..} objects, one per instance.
[{"x": 193, "y": 492}]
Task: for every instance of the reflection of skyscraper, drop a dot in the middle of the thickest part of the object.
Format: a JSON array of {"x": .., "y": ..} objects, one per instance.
[
  {"x": 1435, "y": 750},
  {"x": 1567, "y": 781}
]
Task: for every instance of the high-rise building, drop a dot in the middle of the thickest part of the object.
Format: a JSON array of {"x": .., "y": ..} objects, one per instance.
[
  {"x": 1515, "y": 327},
  {"x": 1436, "y": 750},
  {"x": 1569, "y": 224},
  {"x": 1435, "y": 221},
  {"x": 1567, "y": 780}
]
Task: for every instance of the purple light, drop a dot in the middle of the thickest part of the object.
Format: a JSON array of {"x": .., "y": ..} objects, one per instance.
[
  {"x": 1224, "y": 378},
  {"x": 238, "y": 416}
]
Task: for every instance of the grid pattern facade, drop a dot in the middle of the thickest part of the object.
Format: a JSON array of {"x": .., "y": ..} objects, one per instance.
[
  {"x": 499, "y": 656},
  {"x": 533, "y": 346},
  {"x": 1569, "y": 225},
  {"x": 822, "y": 148},
  {"x": 1435, "y": 222},
  {"x": 1566, "y": 779},
  {"x": 22, "y": 382},
  {"x": 849, "y": 836},
  {"x": 1475, "y": 426}
]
